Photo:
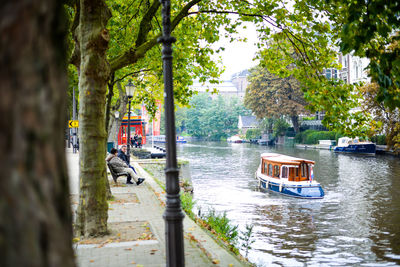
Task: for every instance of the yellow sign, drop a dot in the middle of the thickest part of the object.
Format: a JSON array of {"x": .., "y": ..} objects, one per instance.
[{"x": 73, "y": 124}]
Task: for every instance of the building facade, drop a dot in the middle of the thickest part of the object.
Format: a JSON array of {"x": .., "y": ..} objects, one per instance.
[
  {"x": 235, "y": 87},
  {"x": 247, "y": 122}
]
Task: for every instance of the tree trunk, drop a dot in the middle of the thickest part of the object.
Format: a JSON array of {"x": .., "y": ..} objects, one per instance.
[
  {"x": 108, "y": 103},
  {"x": 295, "y": 122},
  {"x": 35, "y": 212},
  {"x": 120, "y": 105},
  {"x": 94, "y": 73}
]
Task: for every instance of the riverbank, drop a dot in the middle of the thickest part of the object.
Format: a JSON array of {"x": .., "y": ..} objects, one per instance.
[
  {"x": 381, "y": 150},
  {"x": 137, "y": 229}
]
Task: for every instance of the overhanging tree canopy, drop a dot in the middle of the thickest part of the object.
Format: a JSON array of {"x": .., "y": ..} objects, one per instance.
[
  {"x": 114, "y": 40},
  {"x": 268, "y": 95}
]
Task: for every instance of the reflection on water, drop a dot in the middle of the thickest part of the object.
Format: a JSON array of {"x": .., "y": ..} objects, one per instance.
[{"x": 357, "y": 223}]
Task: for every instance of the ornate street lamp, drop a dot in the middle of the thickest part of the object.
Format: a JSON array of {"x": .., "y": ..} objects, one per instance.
[
  {"x": 116, "y": 115},
  {"x": 173, "y": 214},
  {"x": 129, "y": 92}
]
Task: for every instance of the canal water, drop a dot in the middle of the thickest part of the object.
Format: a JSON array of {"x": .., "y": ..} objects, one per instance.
[{"x": 357, "y": 223}]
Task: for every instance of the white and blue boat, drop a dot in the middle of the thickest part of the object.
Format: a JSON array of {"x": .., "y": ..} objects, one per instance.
[
  {"x": 161, "y": 139},
  {"x": 288, "y": 176},
  {"x": 354, "y": 146}
]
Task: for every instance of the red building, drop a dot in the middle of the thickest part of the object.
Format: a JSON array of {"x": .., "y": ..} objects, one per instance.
[{"x": 137, "y": 127}]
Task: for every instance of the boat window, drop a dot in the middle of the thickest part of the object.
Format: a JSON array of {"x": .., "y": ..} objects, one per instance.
[
  {"x": 265, "y": 170},
  {"x": 304, "y": 169},
  {"x": 285, "y": 172},
  {"x": 276, "y": 171},
  {"x": 270, "y": 170}
]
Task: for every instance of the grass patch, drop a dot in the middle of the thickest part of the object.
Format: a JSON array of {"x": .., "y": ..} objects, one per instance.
[{"x": 187, "y": 204}]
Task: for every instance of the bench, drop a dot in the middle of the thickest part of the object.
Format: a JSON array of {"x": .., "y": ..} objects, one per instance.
[{"x": 114, "y": 174}]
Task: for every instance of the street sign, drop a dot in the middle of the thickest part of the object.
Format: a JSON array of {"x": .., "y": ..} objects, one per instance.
[{"x": 73, "y": 124}]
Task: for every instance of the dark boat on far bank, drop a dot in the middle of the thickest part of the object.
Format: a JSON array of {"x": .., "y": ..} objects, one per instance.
[{"x": 354, "y": 146}]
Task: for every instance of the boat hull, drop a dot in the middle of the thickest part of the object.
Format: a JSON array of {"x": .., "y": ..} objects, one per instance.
[
  {"x": 309, "y": 190},
  {"x": 178, "y": 142},
  {"x": 362, "y": 149}
]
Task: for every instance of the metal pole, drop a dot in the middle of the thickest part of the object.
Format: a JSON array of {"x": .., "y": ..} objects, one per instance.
[
  {"x": 173, "y": 214},
  {"x": 74, "y": 135},
  {"x": 116, "y": 137},
  {"x": 152, "y": 135},
  {"x": 117, "y": 130},
  {"x": 129, "y": 131}
]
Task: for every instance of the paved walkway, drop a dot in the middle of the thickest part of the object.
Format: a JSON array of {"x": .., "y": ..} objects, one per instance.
[{"x": 202, "y": 252}]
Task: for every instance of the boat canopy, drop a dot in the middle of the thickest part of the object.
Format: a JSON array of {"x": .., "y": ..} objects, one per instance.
[{"x": 283, "y": 159}]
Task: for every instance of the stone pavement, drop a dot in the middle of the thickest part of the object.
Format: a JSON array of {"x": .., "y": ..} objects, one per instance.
[{"x": 200, "y": 248}]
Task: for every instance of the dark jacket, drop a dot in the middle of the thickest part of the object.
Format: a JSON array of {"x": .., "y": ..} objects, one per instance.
[{"x": 123, "y": 156}]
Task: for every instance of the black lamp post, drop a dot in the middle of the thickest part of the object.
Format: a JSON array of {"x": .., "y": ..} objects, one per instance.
[
  {"x": 116, "y": 114},
  {"x": 173, "y": 214},
  {"x": 129, "y": 92}
]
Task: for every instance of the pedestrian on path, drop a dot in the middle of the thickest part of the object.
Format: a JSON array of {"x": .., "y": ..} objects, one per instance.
[{"x": 120, "y": 166}]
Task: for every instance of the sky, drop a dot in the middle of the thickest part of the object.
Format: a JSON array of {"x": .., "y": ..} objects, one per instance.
[{"x": 238, "y": 55}]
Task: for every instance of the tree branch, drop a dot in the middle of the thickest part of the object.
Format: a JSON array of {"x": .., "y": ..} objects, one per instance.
[
  {"x": 129, "y": 74},
  {"x": 268, "y": 19},
  {"x": 138, "y": 52},
  {"x": 75, "y": 58},
  {"x": 145, "y": 24}
]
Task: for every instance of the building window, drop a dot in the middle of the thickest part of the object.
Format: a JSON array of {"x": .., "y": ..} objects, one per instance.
[
  {"x": 356, "y": 69},
  {"x": 335, "y": 73},
  {"x": 328, "y": 73},
  {"x": 320, "y": 115}
]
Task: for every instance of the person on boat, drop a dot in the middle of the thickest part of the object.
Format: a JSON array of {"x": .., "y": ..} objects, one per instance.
[{"x": 120, "y": 166}]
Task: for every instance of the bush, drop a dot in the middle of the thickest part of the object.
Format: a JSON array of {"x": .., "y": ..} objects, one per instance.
[
  {"x": 300, "y": 137},
  {"x": 379, "y": 139},
  {"x": 222, "y": 226},
  {"x": 187, "y": 204},
  {"x": 253, "y": 134},
  {"x": 280, "y": 127},
  {"x": 311, "y": 137},
  {"x": 290, "y": 132}
]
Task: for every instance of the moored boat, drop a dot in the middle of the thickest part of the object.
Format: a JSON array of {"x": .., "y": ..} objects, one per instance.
[
  {"x": 235, "y": 139},
  {"x": 288, "y": 176},
  {"x": 180, "y": 139},
  {"x": 161, "y": 139},
  {"x": 354, "y": 146}
]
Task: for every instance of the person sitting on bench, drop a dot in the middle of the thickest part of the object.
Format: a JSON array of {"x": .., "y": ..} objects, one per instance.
[
  {"x": 119, "y": 165},
  {"x": 122, "y": 155}
]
